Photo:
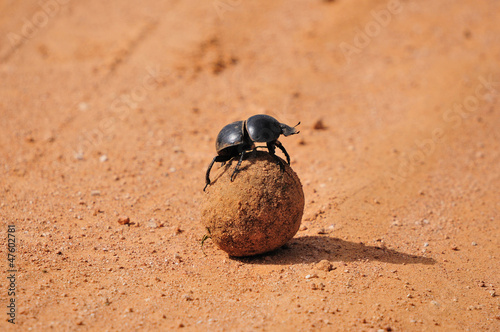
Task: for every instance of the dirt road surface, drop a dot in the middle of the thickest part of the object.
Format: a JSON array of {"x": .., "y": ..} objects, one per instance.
[{"x": 111, "y": 109}]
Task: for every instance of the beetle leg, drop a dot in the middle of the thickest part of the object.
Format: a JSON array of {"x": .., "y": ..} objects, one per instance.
[
  {"x": 271, "y": 146},
  {"x": 220, "y": 159},
  {"x": 282, "y": 148},
  {"x": 236, "y": 169},
  {"x": 207, "y": 175}
]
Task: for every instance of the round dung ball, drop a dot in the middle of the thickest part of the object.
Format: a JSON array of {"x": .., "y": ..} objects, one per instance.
[{"x": 259, "y": 211}]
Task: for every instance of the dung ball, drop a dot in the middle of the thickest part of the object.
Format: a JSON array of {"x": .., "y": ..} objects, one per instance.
[{"x": 259, "y": 211}]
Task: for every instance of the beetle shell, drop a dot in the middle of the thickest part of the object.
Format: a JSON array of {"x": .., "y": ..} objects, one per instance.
[
  {"x": 263, "y": 128},
  {"x": 229, "y": 138}
]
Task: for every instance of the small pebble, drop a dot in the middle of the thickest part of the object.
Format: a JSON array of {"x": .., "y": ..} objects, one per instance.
[
  {"x": 103, "y": 158},
  {"x": 310, "y": 276},
  {"x": 474, "y": 244},
  {"x": 322, "y": 231},
  {"x": 426, "y": 244},
  {"x": 95, "y": 193},
  {"x": 79, "y": 155},
  {"x": 153, "y": 224},
  {"x": 324, "y": 265},
  {"x": 124, "y": 220},
  {"x": 493, "y": 293}
]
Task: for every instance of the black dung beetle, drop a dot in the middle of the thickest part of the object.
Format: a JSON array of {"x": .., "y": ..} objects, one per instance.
[{"x": 238, "y": 138}]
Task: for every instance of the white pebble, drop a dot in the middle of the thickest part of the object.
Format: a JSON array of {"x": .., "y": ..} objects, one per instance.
[{"x": 79, "y": 155}]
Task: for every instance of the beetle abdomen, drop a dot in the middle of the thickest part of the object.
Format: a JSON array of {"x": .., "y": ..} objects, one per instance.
[{"x": 230, "y": 135}]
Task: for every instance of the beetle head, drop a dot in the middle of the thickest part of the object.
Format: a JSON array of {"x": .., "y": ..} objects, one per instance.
[{"x": 287, "y": 130}]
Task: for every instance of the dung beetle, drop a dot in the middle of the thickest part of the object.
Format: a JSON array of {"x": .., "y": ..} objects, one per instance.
[{"x": 238, "y": 138}]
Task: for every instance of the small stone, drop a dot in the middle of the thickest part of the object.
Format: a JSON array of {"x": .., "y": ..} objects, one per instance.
[
  {"x": 187, "y": 297},
  {"x": 310, "y": 276},
  {"x": 172, "y": 169},
  {"x": 493, "y": 293},
  {"x": 129, "y": 310},
  {"x": 474, "y": 244},
  {"x": 152, "y": 223},
  {"x": 303, "y": 228},
  {"x": 124, "y": 220},
  {"x": 426, "y": 244},
  {"x": 95, "y": 193},
  {"x": 103, "y": 158},
  {"x": 79, "y": 155},
  {"x": 177, "y": 230},
  {"x": 409, "y": 296},
  {"x": 324, "y": 265},
  {"x": 322, "y": 231}
]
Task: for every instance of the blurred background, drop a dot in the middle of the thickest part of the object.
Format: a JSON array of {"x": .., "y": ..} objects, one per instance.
[{"x": 112, "y": 108}]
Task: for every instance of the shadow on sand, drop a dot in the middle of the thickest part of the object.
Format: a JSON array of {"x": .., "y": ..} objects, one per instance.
[{"x": 313, "y": 249}]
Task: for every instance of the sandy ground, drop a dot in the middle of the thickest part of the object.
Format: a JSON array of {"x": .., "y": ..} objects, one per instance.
[{"x": 111, "y": 109}]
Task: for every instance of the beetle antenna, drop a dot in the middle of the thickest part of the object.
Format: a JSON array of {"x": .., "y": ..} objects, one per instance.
[{"x": 296, "y": 126}]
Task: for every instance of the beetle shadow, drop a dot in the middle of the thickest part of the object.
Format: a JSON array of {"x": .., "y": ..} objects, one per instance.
[{"x": 313, "y": 249}]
